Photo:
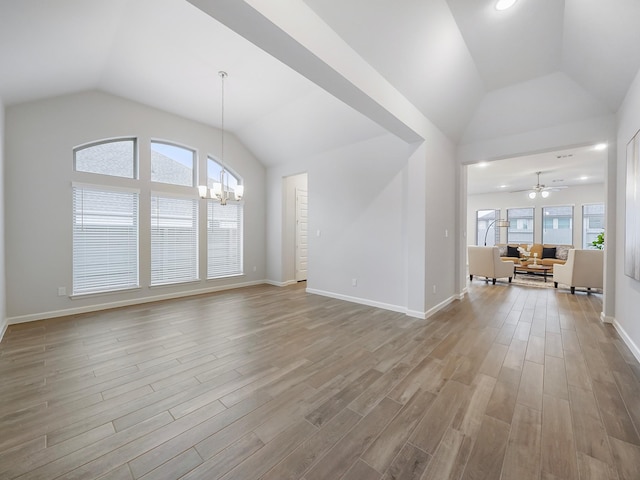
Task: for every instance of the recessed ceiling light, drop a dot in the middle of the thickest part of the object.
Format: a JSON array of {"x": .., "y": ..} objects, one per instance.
[
  {"x": 584, "y": 177},
  {"x": 503, "y": 186},
  {"x": 600, "y": 146},
  {"x": 504, "y": 4},
  {"x": 483, "y": 164}
]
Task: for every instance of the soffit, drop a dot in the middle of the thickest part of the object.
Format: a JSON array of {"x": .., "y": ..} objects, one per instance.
[{"x": 568, "y": 167}]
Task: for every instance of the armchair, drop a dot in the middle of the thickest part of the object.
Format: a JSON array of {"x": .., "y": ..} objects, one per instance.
[
  {"x": 486, "y": 262},
  {"x": 584, "y": 268}
]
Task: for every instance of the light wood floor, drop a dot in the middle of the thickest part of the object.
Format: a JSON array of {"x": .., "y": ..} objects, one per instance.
[{"x": 265, "y": 382}]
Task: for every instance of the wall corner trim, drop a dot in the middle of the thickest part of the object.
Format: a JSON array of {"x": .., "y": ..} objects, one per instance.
[
  {"x": 433, "y": 310},
  {"x": 386, "y": 306},
  {"x": 606, "y": 319},
  {"x": 280, "y": 284},
  {"x": 4, "y": 329},
  {"x": 626, "y": 339}
]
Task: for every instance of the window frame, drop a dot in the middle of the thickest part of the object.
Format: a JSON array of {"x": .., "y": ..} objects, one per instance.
[
  {"x": 514, "y": 221},
  {"x": 588, "y": 245},
  {"x": 496, "y": 233},
  {"x": 114, "y": 287},
  {"x": 211, "y": 206},
  {"x": 572, "y": 222},
  {"x": 135, "y": 159},
  {"x": 195, "y": 266},
  {"x": 238, "y": 179},
  {"x": 194, "y": 166}
]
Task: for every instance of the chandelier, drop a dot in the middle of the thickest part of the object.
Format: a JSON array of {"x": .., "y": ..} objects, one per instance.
[{"x": 220, "y": 190}]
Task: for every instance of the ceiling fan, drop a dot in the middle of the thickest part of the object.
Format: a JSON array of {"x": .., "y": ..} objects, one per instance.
[{"x": 540, "y": 189}]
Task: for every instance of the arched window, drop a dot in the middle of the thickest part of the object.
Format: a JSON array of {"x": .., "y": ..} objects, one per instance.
[
  {"x": 105, "y": 219},
  {"x": 108, "y": 157},
  {"x": 172, "y": 164},
  {"x": 214, "y": 169}
]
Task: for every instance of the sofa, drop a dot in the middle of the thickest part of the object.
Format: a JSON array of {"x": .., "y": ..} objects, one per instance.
[
  {"x": 584, "y": 268},
  {"x": 547, "y": 254},
  {"x": 485, "y": 262}
]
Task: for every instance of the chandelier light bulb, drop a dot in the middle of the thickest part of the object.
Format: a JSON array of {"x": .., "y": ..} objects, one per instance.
[{"x": 532, "y": 195}]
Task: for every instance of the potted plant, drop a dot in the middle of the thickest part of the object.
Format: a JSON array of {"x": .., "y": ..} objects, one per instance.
[{"x": 599, "y": 241}]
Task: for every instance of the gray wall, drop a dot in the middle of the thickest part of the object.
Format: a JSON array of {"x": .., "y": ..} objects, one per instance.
[
  {"x": 40, "y": 137},
  {"x": 378, "y": 211},
  {"x": 3, "y": 283},
  {"x": 627, "y": 289}
]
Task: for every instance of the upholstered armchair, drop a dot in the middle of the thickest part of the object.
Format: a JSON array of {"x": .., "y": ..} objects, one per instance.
[
  {"x": 486, "y": 262},
  {"x": 584, "y": 268}
]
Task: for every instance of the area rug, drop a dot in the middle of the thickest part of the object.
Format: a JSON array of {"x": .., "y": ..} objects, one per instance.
[{"x": 532, "y": 281}]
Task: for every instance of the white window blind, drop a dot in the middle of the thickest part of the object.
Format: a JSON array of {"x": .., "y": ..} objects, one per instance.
[
  {"x": 105, "y": 239},
  {"x": 224, "y": 238},
  {"x": 174, "y": 240}
]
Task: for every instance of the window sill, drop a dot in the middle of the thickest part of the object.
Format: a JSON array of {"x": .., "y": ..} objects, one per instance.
[{"x": 76, "y": 296}]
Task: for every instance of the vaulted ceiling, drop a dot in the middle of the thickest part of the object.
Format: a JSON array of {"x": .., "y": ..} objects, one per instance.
[{"x": 474, "y": 72}]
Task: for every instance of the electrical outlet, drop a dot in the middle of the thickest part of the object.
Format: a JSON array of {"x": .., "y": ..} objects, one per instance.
[
  {"x": 434, "y": 289},
  {"x": 354, "y": 282},
  {"x": 255, "y": 268},
  {"x": 446, "y": 233},
  {"x": 62, "y": 291},
  {"x": 317, "y": 232}
]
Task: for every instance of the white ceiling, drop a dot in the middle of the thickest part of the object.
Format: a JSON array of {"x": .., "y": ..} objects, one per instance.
[
  {"x": 476, "y": 73},
  {"x": 565, "y": 168}
]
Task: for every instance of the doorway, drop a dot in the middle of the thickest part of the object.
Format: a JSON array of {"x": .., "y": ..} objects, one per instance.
[
  {"x": 301, "y": 241},
  {"x": 295, "y": 229}
]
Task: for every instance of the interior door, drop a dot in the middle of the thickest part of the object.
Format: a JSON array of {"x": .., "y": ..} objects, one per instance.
[{"x": 301, "y": 235}]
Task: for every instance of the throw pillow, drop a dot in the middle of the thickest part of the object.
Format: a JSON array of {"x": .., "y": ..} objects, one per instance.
[
  {"x": 502, "y": 250},
  {"x": 513, "y": 252},
  {"x": 549, "y": 252},
  {"x": 562, "y": 252}
]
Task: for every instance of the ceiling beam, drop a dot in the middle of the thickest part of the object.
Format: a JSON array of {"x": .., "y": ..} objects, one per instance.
[{"x": 291, "y": 32}]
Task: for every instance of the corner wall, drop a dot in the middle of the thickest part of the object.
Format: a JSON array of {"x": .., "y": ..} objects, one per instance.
[
  {"x": 355, "y": 204},
  {"x": 382, "y": 223},
  {"x": 40, "y": 137},
  {"x": 627, "y": 296}
]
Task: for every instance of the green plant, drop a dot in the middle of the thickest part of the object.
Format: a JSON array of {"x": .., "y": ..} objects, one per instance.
[{"x": 599, "y": 241}]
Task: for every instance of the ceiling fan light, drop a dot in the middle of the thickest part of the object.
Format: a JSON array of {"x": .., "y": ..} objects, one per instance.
[
  {"x": 504, "y": 4},
  {"x": 544, "y": 194},
  {"x": 532, "y": 195}
]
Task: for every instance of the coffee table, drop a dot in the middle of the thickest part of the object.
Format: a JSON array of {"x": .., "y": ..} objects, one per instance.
[{"x": 534, "y": 270}]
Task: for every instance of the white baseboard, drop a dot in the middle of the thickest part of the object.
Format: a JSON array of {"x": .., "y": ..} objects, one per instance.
[
  {"x": 3, "y": 329},
  {"x": 386, "y": 306},
  {"x": 605, "y": 319},
  {"x": 416, "y": 314},
  {"x": 280, "y": 284},
  {"x": 125, "y": 303},
  {"x": 432, "y": 311},
  {"x": 361, "y": 301},
  {"x": 626, "y": 339}
]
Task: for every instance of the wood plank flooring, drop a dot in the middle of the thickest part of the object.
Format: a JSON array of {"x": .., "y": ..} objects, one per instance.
[{"x": 510, "y": 383}]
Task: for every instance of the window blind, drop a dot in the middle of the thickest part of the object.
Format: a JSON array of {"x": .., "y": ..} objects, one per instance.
[
  {"x": 174, "y": 240},
  {"x": 224, "y": 239},
  {"x": 105, "y": 239}
]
